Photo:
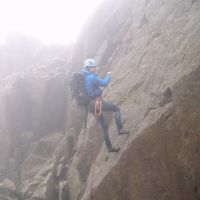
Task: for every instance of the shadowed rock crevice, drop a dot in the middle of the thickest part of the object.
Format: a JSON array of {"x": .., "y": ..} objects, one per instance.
[{"x": 166, "y": 97}]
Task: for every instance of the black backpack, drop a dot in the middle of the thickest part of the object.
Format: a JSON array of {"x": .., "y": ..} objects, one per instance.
[{"x": 77, "y": 85}]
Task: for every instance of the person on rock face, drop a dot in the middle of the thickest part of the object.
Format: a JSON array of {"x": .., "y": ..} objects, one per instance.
[{"x": 96, "y": 105}]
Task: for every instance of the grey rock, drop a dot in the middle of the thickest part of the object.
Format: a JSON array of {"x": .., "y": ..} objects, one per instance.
[{"x": 152, "y": 48}]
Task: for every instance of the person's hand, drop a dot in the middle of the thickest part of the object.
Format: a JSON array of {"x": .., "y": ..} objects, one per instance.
[{"x": 109, "y": 73}]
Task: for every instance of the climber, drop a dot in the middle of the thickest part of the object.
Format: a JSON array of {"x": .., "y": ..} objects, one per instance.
[{"x": 96, "y": 105}]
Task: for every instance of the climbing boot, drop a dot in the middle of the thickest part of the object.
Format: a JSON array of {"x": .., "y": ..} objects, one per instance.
[
  {"x": 113, "y": 149},
  {"x": 123, "y": 132}
]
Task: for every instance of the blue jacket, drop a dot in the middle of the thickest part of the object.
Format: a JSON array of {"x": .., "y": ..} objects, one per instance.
[{"x": 93, "y": 83}]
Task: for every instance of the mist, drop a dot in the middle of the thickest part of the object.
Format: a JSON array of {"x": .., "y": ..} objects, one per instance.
[{"x": 51, "y": 22}]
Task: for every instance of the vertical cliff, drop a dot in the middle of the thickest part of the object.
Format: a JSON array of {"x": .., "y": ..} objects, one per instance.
[{"x": 153, "y": 50}]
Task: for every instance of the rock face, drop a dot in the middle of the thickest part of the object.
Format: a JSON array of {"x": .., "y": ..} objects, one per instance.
[
  {"x": 153, "y": 50},
  {"x": 162, "y": 160},
  {"x": 32, "y": 125}
]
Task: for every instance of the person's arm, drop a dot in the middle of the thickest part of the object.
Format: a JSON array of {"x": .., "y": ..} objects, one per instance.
[{"x": 102, "y": 82}]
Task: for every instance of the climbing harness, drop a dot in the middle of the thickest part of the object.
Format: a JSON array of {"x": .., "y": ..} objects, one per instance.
[{"x": 98, "y": 106}]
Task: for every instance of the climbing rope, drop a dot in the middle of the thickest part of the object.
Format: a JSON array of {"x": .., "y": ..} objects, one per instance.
[
  {"x": 91, "y": 190},
  {"x": 97, "y": 113},
  {"x": 93, "y": 169}
]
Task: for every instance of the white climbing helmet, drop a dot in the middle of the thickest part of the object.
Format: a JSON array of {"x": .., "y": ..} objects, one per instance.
[{"x": 90, "y": 63}]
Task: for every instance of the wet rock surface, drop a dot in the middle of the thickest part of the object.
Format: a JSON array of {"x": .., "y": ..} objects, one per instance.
[{"x": 153, "y": 50}]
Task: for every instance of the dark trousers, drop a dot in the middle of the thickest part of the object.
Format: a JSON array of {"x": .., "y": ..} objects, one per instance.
[{"x": 107, "y": 106}]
